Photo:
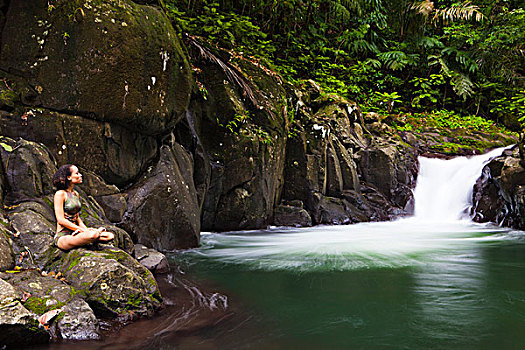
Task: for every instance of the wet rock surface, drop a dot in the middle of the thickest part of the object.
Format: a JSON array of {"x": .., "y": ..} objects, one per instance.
[
  {"x": 114, "y": 284},
  {"x": 36, "y": 277},
  {"x": 151, "y": 259},
  {"x": 343, "y": 172},
  {"x": 288, "y": 215},
  {"x": 165, "y": 154},
  {"x": 499, "y": 194},
  {"x": 78, "y": 322},
  {"x": 242, "y": 123}
]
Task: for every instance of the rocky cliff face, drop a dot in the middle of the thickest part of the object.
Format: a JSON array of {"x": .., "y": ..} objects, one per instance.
[
  {"x": 340, "y": 170},
  {"x": 101, "y": 84}
]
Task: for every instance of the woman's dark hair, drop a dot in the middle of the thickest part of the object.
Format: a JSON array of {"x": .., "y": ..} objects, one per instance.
[{"x": 60, "y": 180}]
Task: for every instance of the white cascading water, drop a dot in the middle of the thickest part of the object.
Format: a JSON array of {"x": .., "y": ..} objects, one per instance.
[
  {"x": 442, "y": 195},
  {"x": 444, "y": 187}
]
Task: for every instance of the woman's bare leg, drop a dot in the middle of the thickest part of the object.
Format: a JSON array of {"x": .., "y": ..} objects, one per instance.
[{"x": 69, "y": 241}]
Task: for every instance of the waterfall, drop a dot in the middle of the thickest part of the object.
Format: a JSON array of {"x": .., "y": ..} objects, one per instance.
[{"x": 444, "y": 187}]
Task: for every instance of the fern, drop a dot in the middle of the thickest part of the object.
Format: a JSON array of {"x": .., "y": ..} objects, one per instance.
[
  {"x": 397, "y": 60},
  {"x": 462, "y": 85},
  {"x": 429, "y": 42},
  {"x": 464, "y": 11}
]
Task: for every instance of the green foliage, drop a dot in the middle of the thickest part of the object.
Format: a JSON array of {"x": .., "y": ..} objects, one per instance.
[
  {"x": 383, "y": 101},
  {"x": 235, "y": 124},
  {"x": 426, "y": 91},
  {"x": 464, "y": 57},
  {"x": 442, "y": 119},
  {"x": 514, "y": 105}
]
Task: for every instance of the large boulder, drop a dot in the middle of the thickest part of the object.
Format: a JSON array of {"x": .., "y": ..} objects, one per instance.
[
  {"x": 113, "y": 152},
  {"x": 163, "y": 209},
  {"x": 78, "y": 322},
  {"x": 18, "y": 326},
  {"x": 114, "y": 284},
  {"x": 113, "y": 61},
  {"x": 242, "y": 120},
  {"x": 46, "y": 292},
  {"x": 34, "y": 226},
  {"x": 29, "y": 169},
  {"x": 499, "y": 194}
]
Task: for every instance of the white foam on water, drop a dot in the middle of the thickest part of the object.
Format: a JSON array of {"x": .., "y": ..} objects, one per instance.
[{"x": 442, "y": 197}]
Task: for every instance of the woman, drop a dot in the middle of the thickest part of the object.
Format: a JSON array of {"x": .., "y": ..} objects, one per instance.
[{"x": 71, "y": 231}]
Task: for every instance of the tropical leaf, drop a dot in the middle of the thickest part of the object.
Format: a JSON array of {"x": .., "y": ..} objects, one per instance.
[
  {"x": 462, "y": 85},
  {"x": 464, "y": 11},
  {"x": 423, "y": 7},
  {"x": 373, "y": 63},
  {"x": 6, "y": 147},
  {"x": 429, "y": 42},
  {"x": 397, "y": 60}
]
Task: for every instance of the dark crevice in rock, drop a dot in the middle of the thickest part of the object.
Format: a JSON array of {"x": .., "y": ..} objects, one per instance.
[{"x": 4, "y": 7}]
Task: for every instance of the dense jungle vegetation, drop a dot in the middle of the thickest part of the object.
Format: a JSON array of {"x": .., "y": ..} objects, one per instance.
[{"x": 448, "y": 63}]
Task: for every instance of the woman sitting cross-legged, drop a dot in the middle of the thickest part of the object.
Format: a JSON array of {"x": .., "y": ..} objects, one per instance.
[{"x": 71, "y": 231}]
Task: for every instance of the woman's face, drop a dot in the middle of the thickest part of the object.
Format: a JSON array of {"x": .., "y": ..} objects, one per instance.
[{"x": 75, "y": 177}]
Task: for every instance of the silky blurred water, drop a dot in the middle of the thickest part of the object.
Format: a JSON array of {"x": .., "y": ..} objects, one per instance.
[{"x": 397, "y": 285}]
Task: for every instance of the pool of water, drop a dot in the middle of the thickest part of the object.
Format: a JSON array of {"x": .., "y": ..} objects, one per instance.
[{"x": 394, "y": 285}]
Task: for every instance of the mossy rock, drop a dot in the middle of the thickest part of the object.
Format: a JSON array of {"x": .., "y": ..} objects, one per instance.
[
  {"x": 29, "y": 168},
  {"x": 45, "y": 293},
  {"x": 112, "y": 151},
  {"x": 18, "y": 326},
  {"x": 245, "y": 141},
  {"x": 112, "y": 60},
  {"x": 114, "y": 284}
]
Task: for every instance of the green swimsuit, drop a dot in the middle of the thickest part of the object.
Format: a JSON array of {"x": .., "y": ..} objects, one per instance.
[{"x": 72, "y": 206}]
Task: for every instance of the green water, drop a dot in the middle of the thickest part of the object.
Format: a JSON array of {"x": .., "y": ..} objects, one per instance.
[{"x": 375, "y": 286}]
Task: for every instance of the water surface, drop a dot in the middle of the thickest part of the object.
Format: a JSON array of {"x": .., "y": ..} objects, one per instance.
[{"x": 397, "y": 285}]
